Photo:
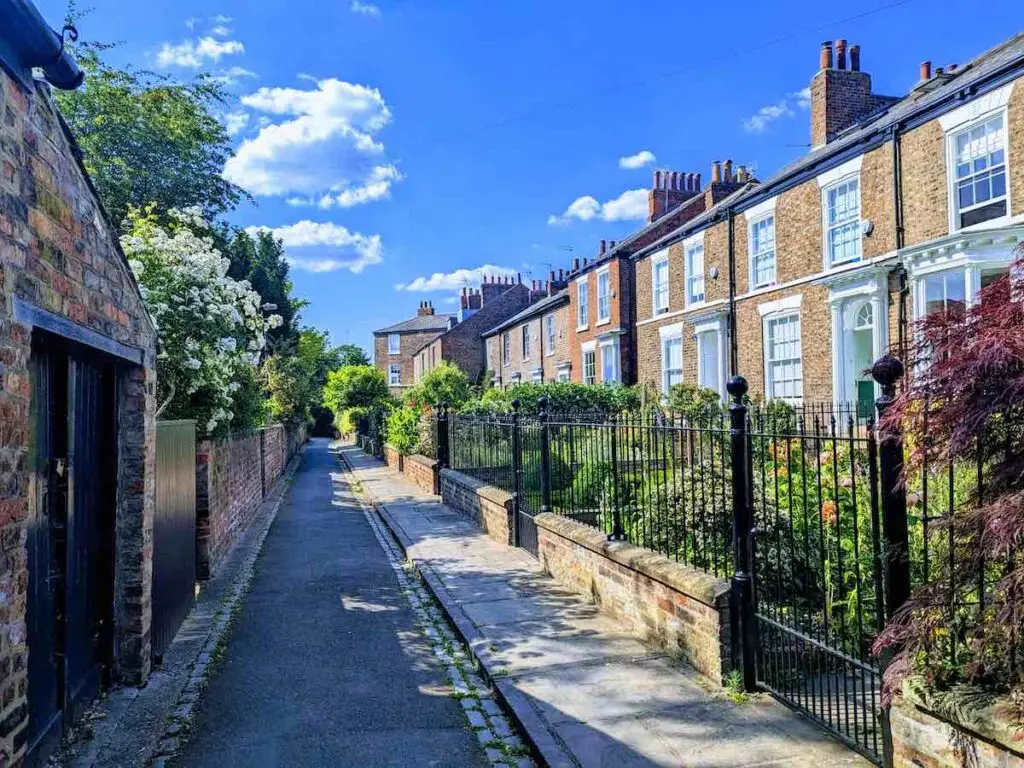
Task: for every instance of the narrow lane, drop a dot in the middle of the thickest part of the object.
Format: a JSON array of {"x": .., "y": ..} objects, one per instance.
[{"x": 325, "y": 664}]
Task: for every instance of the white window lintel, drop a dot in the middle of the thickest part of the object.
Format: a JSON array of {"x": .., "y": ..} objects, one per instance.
[
  {"x": 781, "y": 305},
  {"x": 832, "y": 175},
  {"x": 975, "y": 108}
]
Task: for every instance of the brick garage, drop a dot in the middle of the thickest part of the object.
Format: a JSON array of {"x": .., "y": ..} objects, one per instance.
[
  {"x": 64, "y": 276},
  {"x": 681, "y": 609}
]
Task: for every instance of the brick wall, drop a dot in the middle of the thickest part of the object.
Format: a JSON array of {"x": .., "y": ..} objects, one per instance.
[
  {"x": 681, "y": 609},
  {"x": 392, "y": 458},
  {"x": 423, "y": 471},
  {"x": 233, "y": 475},
  {"x": 59, "y": 254},
  {"x": 539, "y": 356},
  {"x": 984, "y": 737},
  {"x": 487, "y": 506},
  {"x": 621, "y": 318}
]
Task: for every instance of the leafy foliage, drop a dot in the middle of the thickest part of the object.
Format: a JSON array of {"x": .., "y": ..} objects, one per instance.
[
  {"x": 210, "y": 326},
  {"x": 148, "y": 140},
  {"x": 697, "y": 405},
  {"x": 444, "y": 384},
  {"x": 355, "y": 386},
  {"x": 964, "y": 405},
  {"x": 351, "y": 354},
  {"x": 563, "y": 397},
  {"x": 401, "y": 429}
]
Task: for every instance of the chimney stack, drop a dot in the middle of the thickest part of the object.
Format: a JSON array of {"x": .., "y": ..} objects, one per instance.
[
  {"x": 669, "y": 190},
  {"x": 426, "y": 308},
  {"x": 840, "y": 97}
]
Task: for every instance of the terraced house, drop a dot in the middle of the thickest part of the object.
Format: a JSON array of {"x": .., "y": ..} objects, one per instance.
[
  {"x": 903, "y": 205},
  {"x": 603, "y": 293},
  {"x": 533, "y": 345},
  {"x": 395, "y": 347}
]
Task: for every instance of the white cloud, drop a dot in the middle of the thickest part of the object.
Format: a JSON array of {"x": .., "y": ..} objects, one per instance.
[
  {"x": 194, "y": 53},
  {"x": 220, "y": 18},
  {"x": 769, "y": 113},
  {"x": 639, "y": 160},
  {"x": 234, "y": 122},
  {"x": 453, "y": 281},
  {"x": 631, "y": 205},
  {"x": 327, "y": 247},
  {"x": 220, "y": 30},
  {"x": 323, "y": 151},
  {"x": 232, "y": 75},
  {"x": 366, "y": 9}
]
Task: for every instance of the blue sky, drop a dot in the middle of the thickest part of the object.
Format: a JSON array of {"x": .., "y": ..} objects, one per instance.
[{"x": 394, "y": 143}]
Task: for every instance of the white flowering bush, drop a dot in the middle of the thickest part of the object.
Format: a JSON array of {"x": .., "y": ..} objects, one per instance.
[{"x": 211, "y": 327}]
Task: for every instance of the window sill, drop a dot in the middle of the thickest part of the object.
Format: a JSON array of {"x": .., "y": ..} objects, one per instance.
[
  {"x": 580, "y": 328},
  {"x": 1000, "y": 221},
  {"x": 603, "y": 322}
]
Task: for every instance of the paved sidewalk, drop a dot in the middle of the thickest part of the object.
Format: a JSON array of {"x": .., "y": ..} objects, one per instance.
[
  {"x": 586, "y": 692},
  {"x": 325, "y": 663}
]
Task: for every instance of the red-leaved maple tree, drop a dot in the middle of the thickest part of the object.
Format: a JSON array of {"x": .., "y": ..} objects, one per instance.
[{"x": 963, "y": 405}]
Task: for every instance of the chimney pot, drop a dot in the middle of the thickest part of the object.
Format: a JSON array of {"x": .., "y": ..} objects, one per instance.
[
  {"x": 840, "y": 54},
  {"x": 696, "y": 182},
  {"x": 611, "y": 245},
  {"x": 559, "y": 275},
  {"x": 674, "y": 184},
  {"x": 938, "y": 70},
  {"x": 855, "y": 58},
  {"x": 727, "y": 171},
  {"x": 826, "y": 55},
  {"x": 716, "y": 172},
  {"x": 551, "y": 276},
  {"x": 926, "y": 70},
  {"x": 951, "y": 68},
  {"x": 657, "y": 179},
  {"x": 604, "y": 245},
  {"x": 519, "y": 278}
]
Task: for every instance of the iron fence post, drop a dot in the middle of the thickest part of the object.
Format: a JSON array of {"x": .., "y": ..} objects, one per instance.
[
  {"x": 441, "y": 436},
  {"x": 895, "y": 550},
  {"x": 545, "y": 455},
  {"x": 887, "y": 370},
  {"x": 617, "y": 534},
  {"x": 517, "y": 470},
  {"x": 744, "y": 635}
]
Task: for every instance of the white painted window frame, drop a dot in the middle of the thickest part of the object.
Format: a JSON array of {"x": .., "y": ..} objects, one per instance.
[
  {"x": 715, "y": 330},
  {"x": 394, "y": 343},
  {"x": 828, "y": 181},
  {"x": 667, "y": 334},
  {"x": 582, "y": 304},
  {"x": 605, "y": 274},
  {"x": 526, "y": 342},
  {"x": 773, "y": 311},
  {"x": 951, "y": 180},
  {"x": 611, "y": 346},
  {"x": 660, "y": 259},
  {"x": 689, "y": 247},
  {"x": 550, "y": 334},
  {"x": 395, "y": 376},
  {"x": 588, "y": 348},
  {"x": 506, "y": 349}
]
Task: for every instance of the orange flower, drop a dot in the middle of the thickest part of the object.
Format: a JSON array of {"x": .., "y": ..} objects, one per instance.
[{"x": 829, "y": 512}]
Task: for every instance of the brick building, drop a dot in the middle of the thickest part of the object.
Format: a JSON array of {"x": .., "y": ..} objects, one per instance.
[
  {"x": 77, "y": 448},
  {"x": 496, "y": 300},
  {"x": 533, "y": 345},
  {"x": 799, "y": 282},
  {"x": 603, "y": 293},
  {"x": 395, "y": 347}
]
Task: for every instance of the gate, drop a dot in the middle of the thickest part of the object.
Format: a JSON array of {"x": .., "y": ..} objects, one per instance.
[
  {"x": 70, "y": 532},
  {"x": 817, "y": 579},
  {"x": 174, "y": 530}
]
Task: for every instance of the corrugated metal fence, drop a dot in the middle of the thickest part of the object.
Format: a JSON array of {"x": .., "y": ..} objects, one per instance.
[{"x": 174, "y": 530}]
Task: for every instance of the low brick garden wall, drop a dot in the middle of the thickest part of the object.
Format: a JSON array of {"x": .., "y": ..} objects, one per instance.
[
  {"x": 423, "y": 471},
  {"x": 937, "y": 732},
  {"x": 232, "y": 477},
  {"x": 683, "y": 610},
  {"x": 393, "y": 458},
  {"x": 487, "y": 506}
]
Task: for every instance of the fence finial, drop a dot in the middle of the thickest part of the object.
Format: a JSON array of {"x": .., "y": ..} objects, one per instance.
[
  {"x": 516, "y": 405},
  {"x": 886, "y": 371},
  {"x": 543, "y": 402},
  {"x": 737, "y": 387}
]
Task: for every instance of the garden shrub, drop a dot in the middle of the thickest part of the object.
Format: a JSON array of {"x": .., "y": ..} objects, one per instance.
[{"x": 401, "y": 430}]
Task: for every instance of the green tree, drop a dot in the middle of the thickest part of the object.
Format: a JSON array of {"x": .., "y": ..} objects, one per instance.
[
  {"x": 444, "y": 384},
  {"x": 355, "y": 386},
  {"x": 260, "y": 260},
  {"x": 146, "y": 139},
  {"x": 352, "y": 354},
  {"x": 290, "y": 388}
]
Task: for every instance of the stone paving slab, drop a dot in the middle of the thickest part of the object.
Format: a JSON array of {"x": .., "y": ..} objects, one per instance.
[{"x": 584, "y": 691}]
